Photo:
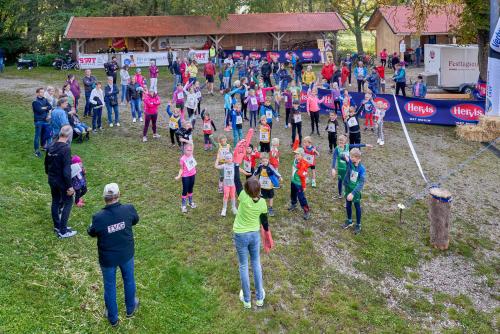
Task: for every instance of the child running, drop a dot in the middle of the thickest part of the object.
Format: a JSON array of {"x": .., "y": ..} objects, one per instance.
[
  {"x": 267, "y": 111},
  {"x": 187, "y": 172},
  {"x": 264, "y": 135},
  {"x": 208, "y": 130},
  {"x": 339, "y": 165},
  {"x": 236, "y": 117},
  {"x": 227, "y": 170},
  {"x": 331, "y": 128},
  {"x": 353, "y": 125},
  {"x": 354, "y": 181},
  {"x": 296, "y": 120},
  {"x": 178, "y": 99},
  {"x": 78, "y": 180},
  {"x": 310, "y": 154},
  {"x": 264, "y": 172},
  {"x": 367, "y": 108}
]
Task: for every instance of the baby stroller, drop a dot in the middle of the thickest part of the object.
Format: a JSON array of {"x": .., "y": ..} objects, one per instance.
[
  {"x": 25, "y": 63},
  {"x": 80, "y": 130}
]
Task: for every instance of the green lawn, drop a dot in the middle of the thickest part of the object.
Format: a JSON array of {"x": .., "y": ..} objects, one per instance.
[{"x": 186, "y": 266}]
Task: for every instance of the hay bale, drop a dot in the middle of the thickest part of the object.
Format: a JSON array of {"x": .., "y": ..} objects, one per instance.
[
  {"x": 486, "y": 130},
  {"x": 490, "y": 123}
]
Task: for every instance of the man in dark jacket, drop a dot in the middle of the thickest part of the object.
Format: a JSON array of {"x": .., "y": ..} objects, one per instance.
[
  {"x": 299, "y": 67},
  {"x": 41, "y": 108},
  {"x": 265, "y": 70},
  {"x": 111, "y": 101},
  {"x": 58, "y": 169},
  {"x": 177, "y": 73},
  {"x": 115, "y": 244},
  {"x": 112, "y": 68},
  {"x": 89, "y": 82}
]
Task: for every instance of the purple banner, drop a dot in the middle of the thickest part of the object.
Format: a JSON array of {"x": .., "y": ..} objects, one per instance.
[{"x": 306, "y": 56}]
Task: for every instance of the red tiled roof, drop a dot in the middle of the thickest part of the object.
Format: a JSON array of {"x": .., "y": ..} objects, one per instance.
[
  {"x": 401, "y": 19},
  {"x": 149, "y": 26}
]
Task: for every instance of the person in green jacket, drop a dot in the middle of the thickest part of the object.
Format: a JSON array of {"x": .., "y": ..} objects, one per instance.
[{"x": 354, "y": 180}]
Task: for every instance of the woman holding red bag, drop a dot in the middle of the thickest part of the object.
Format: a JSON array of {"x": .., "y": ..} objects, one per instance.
[{"x": 252, "y": 213}]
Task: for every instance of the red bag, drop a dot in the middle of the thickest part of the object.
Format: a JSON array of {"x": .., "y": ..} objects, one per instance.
[
  {"x": 267, "y": 239},
  {"x": 239, "y": 150}
]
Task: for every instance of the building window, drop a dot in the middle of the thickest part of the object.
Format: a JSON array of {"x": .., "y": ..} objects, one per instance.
[{"x": 432, "y": 39}]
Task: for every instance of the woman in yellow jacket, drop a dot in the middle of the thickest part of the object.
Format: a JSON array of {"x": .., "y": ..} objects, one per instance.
[
  {"x": 308, "y": 77},
  {"x": 192, "y": 69}
]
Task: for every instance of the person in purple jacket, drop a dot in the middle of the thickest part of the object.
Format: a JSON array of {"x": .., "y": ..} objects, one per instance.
[
  {"x": 178, "y": 99},
  {"x": 74, "y": 86},
  {"x": 153, "y": 76},
  {"x": 253, "y": 106}
]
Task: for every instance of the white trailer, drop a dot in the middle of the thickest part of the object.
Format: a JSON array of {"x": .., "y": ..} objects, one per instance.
[{"x": 455, "y": 67}]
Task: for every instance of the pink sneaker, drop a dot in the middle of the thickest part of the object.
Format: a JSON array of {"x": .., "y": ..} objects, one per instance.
[{"x": 80, "y": 204}]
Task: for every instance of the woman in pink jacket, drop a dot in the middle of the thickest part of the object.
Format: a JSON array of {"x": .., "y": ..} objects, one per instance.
[
  {"x": 151, "y": 104},
  {"x": 312, "y": 106}
]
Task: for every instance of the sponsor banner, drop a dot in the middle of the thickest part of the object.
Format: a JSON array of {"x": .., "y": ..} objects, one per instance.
[
  {"x": 181, "y": 42},
  {"x": 307, "y": 56},
  {"x": 201, "y": 56},
  {"x": 90, "y": 61},
  {"x": 414, "y": 110},
  {"x": 142, "y": 59}
]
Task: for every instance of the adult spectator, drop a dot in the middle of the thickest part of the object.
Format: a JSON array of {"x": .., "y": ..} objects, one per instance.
[
  {"x": 134, "y": 97},
  {"x": 265, "y": 71},
  {"x": 374, "y": 81},
  {"x": 327, "y": 71},
  {"x": 170, "y": 58},
  {"x": 124, "y": 81},
  {"x": 58, "y": 169},
  {"x": 275, "y": 67},
  {"x": 220, "y": 56},
  {"x": 298, "y": 68},
  {"x": 360, "y": 73},
  {"x": 212, "y": 53},
  {"x": 383, "y": 57},
  {"x": 59, "y": 118},
  {"x": 74, "y": 86},
  {"x": 41, "y": 108},
  {"x": 50, "y": 95},
  {"x": 400, "y": 79},
  {"x": 115, "y": 244},
  {"x": 209, "y": 73},
  {"x": 394, "y": 60},
  {"x": 112, "y": 68},
  {"x": 418, "y": 55},
  {"x": 252, "y": 212},
  {"x": 177, "y": 73},
  {"x": 111, "y": 102},
  {"x": 89, "y": 82}
]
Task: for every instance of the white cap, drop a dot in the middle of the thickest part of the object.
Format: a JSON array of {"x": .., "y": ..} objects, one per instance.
[{"x": 111, "y": 189}]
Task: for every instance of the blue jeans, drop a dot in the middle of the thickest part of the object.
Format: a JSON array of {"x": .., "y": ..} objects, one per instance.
[
  {"x": 296, "y": 192},
  {"x": 96, "y": 118},
  {"x": 86, "y": 111},
  {"x": 276, "y": 79},
  {"x": 237, "y": 135},
  {"x": 177, "y": 80},
  {"x": 110, "y": 110},
  {"x": 298, "y": 77},
  {"x": 124, "y": 92},
  {"x": 135, "y": 108},
  {"x": 40, "y": 128},
  {"x": 109, "y": 278},
  {"x": 249, "y": 243}
]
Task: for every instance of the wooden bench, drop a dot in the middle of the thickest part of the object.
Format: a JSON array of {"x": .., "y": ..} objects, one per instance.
[{"x": 447, "y": 96}]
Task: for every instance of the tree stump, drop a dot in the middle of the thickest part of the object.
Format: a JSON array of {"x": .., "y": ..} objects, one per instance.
[{"x": 439, "y": 215}]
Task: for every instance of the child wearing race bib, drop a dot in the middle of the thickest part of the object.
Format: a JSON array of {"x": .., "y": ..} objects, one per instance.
[
  {"x": 296, "y": 120},
  {"x": 379, "y": 116},
  {"x": 331, "y": 128},
  {"x": 191, "y": 102},
  {"x": 237, "y": 123},
  {"x": 249, "y": 161},
  {"x": 223, "y": 151},
  {"x": 310, "y": 154},
  {"x": 274, "y": 160},
  {"x": 298, "y": 184},
  {"x": 253, "y": 106},
  {"x": 208, "y": 125},
  {"x": 353, "y": 125},
  {"x": 277, "y": 96},
  {"x": 339, "y": 165},
  {"x": 295, "y": 90},
  {"x": 185, "y": 134},
  {"x": 264, "y": 172},
  {"x": 187, "y": 172},
  {"x": 368, "y": 109},
  {"x": 287, "y": 99},
  {"x": 354, "y": 181},
  {"x": 264, "y": 135},
  {"x": 178, "y": 99},
  {"x": 227, "y": 170},
  {"x": 174, "y": 123},
  {"x": 346, "y": 105},
  {"x": 267, "y": 111}
]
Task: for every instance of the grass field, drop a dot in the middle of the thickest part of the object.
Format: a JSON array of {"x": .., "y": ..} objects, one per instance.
[{"x": 318, "y": 279}]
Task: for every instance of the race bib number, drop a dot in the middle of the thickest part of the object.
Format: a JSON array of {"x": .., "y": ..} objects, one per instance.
[
  {"x": 190, "y": 163},
  {"x": 180, "y": 95},
  {"x": 239, "y": 119},
  {"x": 285, "y": 98},
  {"x": 354, "y": 176},
  {"x": 207, "y": 126},
  {"x": 331, "y": 127},
  {"x": 309, "y": 158},
  {"x": 269, "y": 114},
  {"x": 228, "y": 173},
  {"x": 173, "y": 124},
  {"x": 223, "y": 153},
  {"x": 264, "y": 136},
  {"x": 253, "y": 100},
  {"x": 265, "y": 182},
  {"x": 352, "y": 122},
  {"x": 247, "y": 166},
  {"x": 297, "y": 118}
]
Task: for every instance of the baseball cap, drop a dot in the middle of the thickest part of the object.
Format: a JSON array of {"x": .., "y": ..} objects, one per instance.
[
  {"x": 299, "y": 150},
  {"x": 111, "y": 189}
]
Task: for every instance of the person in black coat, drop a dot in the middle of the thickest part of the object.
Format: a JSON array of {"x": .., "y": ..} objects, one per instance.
[
  {"x": 266, "y": 70},
  {"x": 41, "y": 108},
  {"x": 58, "y": 169}
]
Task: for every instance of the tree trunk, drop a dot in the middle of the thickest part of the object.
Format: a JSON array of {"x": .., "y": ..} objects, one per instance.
[
  {"x": 310, "y": 5},
  {"x": 483, "y": 43},
  {"x": 358, "y": 35},
  {"x": 439, "y": 215}
]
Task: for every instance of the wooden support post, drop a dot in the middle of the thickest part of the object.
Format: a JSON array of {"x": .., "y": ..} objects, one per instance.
[
  {"x": 278, "y": 36},
  {"x": 439, "y": 215},
  {"x": 216, "y": 39},
  {"x": 149, "y": 42},
  {"x": 80, "y": 44}
]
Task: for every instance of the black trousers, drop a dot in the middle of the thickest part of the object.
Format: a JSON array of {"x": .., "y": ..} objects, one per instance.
[
  {"x": 315, "y": 120},
  {"x": 187, "y": 185},
  {"x": 332, "y": 140},
  {"x": 360, "y": 85},
  {"x": 297, "y": 129},
  {"x": 79, "y": 193},
  {"x": 61, "y": 203},
  {"x": 174, "y": 135},
  {"x": 354, "y": 138},
  {"x": 401, "y": 86}
]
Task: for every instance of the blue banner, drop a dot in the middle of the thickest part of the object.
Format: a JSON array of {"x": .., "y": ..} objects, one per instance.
[
  {"x": 413, "y": 110},
  {"x": 306, "y": 56}
]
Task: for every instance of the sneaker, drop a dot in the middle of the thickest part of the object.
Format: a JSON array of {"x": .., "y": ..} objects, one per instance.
[
  {"x": 242, "y": 299},
  {"x": 136, "y": 307},
  {"x": 357, "y": 229},
  {"x": 378, "y": 140},
  {"x": 100, "y": 128},
  {"x": 350, "y": 85},
  {"x": 307, "y": 215},
  {"x": 366, "y": 128},
  {"x": 140, "y": 119},
  {"x": 113, "y": 324},
  {"x": 118, "y": 124},
  {"x": 134, "y": 120},
  {"x": 111, "y": 125},
  {"x": 373, "y": 130},
  {"x": 184, "y": 209},
  {"x": 235, "y": 210},
  {"x": 260, "y": 302},
  {"x": 144, "y": 139},
  {"x": 339, "y": 196},
  {"x": 173, "y": 145},
  {"x": 156, "y": 135},
  {"x": 381, "y": 143},
  {"x": 286, "y": 126},
  {"x": 292, "y": 207},
  {"x": 192, "y": 205},
  {"x": 270, "y": 212},
  {"x": 94, "y": 130},
  {"x": 56, "y": 230},
  {"x": 313, "y": 183},
  {"x": 38, "y": 154},
  {"x": 347, "y": 224},
  {"x": 69, "y": 233},
  {"x": 223, "y": 213}
]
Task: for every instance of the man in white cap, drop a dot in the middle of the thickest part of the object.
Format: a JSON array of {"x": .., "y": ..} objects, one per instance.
[{"x": 115, "y": 243}]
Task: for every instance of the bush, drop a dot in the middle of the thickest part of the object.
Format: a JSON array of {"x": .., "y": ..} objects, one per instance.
[{"x": 42, "y": 60}]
